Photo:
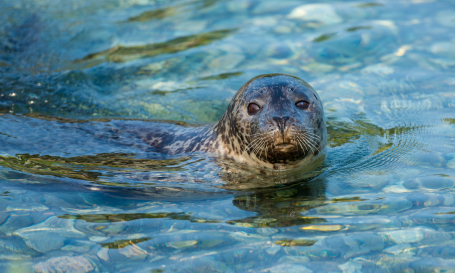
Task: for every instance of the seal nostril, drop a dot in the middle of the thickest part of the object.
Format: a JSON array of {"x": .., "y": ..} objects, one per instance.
[{"x": 281, "y": 122}]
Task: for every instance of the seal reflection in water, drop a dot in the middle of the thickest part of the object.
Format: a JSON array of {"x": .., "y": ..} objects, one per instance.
[{"x": 274, "y": 121}]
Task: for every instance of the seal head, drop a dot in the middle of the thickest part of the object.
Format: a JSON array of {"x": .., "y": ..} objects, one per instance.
[{"x": 274, "y": 121}]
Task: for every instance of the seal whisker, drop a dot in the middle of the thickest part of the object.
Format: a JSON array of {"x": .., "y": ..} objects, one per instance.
[
  {"x": 300, "y": 144},
  {"x": 297, "y": 141},
  {"x": 313, "y": 136},
  {"x": 313, "y": 144},
  {"x": 305, "y": 131},
  {"x": 263, "y": 147},
  {"x": 308, "y": 132},
  {"x": 258, "y": 147},
  {"x": 307, "y": 143},
  {"x": 253, "y": 143}
]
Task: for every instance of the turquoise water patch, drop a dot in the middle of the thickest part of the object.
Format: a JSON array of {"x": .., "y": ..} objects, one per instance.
[{"x": 79, "y": 194}]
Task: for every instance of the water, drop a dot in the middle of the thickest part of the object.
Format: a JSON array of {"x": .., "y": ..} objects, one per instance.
[{"x": 78, "y": 195}]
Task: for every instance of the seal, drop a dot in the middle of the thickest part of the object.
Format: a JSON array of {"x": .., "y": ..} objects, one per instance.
[{"x": 274, "y": 121}]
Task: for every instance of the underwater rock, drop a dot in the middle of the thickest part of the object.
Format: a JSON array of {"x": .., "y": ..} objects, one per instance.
[
  {"x": 395, "y": 189},
  {"x": 451, "y": 164},
  {"x": 443, "y": 49},
  {"x": 227, "y": 62},
  {"x": 98, "y": 238},
  {"x": 53, "y": 225},
  {"x": 324, "y": 228},
  {"x": 316, "y": 251},
  {"x": 379, "y": 69},
  {"x": 272, "y": 249},
  {"x": 246, "y": 237},
  {"x": 26, "y": 207},
  {"x": 191, "y": 26},
  {"x": 43, "y": 242},
  {"x": 429, "y": 182},
  {"x": 103, "y": 254},
  {"x": 403, "y": 249},
  {"x": 449, "y": 199},
  {"x": 15, "y": 222},
  {"x": 133, "y": 252},
  {"x": 446, "y": 18},
  {"x": 181, "y": 244},
  {"x": 267, "y": 231},
  {"x": 388, "y": 205},
  {"x": 79, "y": 246},
  {"x": 295, "y": 242},
  {"x": 3, "y": 217},
  {"x": 289, "y": 268},
  {"x": 294, "y": 259},
  {"x": 350, "y": 267},
  {"x": 273, "y": 6},
  {"x": 395, "y": 263},
  {"x": 355, "y": 244},
  {"x": 324, "y": 14},
  {"x": 49, "y": 235},
  {"x": 13, "y": 245},
  {"x": 317, "y": 67},
  {"x": 409, "y": 235},
  {"x": 238, "y": 6},
  {"x": 430, "y": 264},
  {"x": 78, "y": 264}
]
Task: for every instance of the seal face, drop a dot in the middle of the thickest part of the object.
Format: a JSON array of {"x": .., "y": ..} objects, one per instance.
[{"x": 274, "y": 121}]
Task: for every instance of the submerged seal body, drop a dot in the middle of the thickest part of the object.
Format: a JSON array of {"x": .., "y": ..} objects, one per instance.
[{"x": 274, "y": 121}]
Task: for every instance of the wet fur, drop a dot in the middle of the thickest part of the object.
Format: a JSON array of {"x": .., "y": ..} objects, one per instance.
[{"x": 253, "y": 139}]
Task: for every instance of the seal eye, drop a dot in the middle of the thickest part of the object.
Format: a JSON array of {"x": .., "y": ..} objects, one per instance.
[
  {"x": 302, "y": 104},
  {"x": 253, "y": 108}
]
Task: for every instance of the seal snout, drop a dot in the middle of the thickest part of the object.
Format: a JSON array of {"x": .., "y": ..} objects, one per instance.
[
  {"x": 283, "y": 140},
  {"x": 280, "y": 122}
]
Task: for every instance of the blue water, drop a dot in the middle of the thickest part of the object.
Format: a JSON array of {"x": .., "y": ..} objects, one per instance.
[{"x": 78, "y": 195}]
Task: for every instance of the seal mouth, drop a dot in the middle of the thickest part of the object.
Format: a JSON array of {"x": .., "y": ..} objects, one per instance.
[{"x": 283, "y": 146}]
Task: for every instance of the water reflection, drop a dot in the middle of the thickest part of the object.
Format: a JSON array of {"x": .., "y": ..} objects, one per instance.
[{"x": 282, "y": 207}]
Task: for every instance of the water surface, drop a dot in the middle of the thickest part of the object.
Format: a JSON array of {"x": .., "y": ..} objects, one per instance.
[{"x": 79, "y": 195}]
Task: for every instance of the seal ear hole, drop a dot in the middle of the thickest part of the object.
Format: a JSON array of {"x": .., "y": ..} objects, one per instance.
[
  {"x": 302, "y": 104},
  {"x": 253, "y": 108}
]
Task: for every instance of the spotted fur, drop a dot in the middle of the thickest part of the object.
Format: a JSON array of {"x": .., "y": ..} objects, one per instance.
[{"x": 279, "y": 136}]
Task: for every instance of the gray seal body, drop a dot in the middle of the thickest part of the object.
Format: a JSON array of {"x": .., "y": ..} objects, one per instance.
[{"x": 274, "y": 121}]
